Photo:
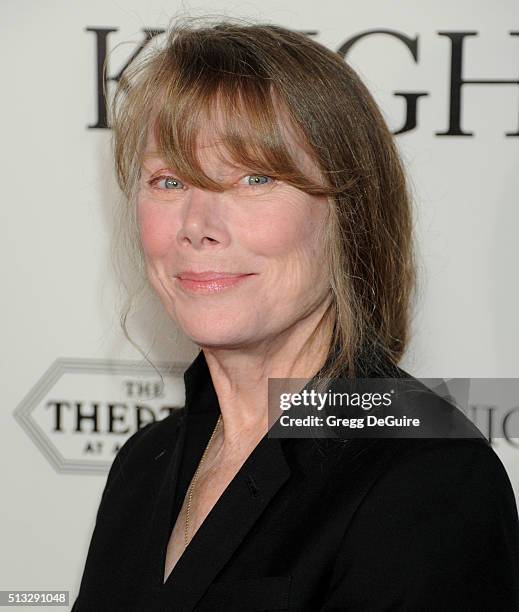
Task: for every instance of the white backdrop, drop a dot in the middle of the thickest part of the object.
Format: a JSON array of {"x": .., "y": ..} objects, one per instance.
[{"x": 63, "y": 356}]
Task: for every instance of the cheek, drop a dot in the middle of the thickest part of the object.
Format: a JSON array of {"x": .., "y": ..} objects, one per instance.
[
  {"x": 156, "y": 228},
  {"x": 290, "y": 231},
  {"x": 290, "y": 239},
  {"x": 272, "y": 240}
]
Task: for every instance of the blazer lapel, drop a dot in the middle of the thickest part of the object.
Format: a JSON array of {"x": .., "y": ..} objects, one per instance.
[
  {"x": 241, "y": 504},
  {"x": 226, "y": 525}
]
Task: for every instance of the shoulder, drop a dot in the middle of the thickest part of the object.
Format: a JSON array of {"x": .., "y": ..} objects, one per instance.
[
  {"x": 410, "y": 482},
  {"x": 440, "y": 470},
  {"x": 412, "y": 470},
  {"x": 437, "y": 529},
  {"x": 144, "y": 446}
]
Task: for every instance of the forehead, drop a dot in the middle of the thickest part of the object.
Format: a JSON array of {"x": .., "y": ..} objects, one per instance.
[
  {"x": 210, "y": 145},
  {"x": 210, "y": 153}
]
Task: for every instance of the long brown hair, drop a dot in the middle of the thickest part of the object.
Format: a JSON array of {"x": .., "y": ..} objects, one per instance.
[{"x": 247, "y": 73}]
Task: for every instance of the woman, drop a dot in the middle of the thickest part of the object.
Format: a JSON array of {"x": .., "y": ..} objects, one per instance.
[{"x": 271, "y": 209}]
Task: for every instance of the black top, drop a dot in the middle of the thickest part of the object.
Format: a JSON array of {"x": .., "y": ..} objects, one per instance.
[{"x": 306, "y": 525}]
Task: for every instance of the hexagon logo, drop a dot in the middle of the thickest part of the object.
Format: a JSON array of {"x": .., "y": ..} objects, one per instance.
[{"x": 81, "y": 411}]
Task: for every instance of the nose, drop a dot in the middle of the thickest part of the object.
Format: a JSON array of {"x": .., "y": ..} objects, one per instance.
[{"x": 201, "y": 224}]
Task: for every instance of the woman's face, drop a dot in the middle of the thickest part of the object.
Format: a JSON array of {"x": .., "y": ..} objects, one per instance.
[{"x": 264, "y": 230}]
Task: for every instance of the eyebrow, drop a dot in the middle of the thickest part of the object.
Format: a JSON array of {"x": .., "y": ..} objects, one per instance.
[{"x": 154, "y": 158}]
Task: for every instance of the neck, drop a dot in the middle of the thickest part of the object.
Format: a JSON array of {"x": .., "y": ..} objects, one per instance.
[{"x": 240, "y": 378}]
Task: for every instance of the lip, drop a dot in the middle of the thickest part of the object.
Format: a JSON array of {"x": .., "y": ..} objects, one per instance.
[
  {"x": 207, "y": 275},
  {"x": 212, "y": 285}
]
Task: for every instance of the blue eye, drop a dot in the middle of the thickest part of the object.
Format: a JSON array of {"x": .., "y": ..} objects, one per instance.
[
  {"x": 168, "y": 183},
  {"x": 257, "y": 179},
  {"x": 172, "y": 183}
]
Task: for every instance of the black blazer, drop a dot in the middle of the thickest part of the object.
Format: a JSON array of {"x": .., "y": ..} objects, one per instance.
[{"x": 306, "y": 525}]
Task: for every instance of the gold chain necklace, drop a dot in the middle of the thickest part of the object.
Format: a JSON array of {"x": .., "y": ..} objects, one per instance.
[{"x": 193, "y": 481}]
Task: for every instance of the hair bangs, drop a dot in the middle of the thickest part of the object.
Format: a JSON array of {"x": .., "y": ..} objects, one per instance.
[{"x": 242, "y": 115}]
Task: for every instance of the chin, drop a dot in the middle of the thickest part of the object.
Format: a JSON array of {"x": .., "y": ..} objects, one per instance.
[
  {"x": 212, "y": 343},
  {"x": 211, "y": 337}
]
